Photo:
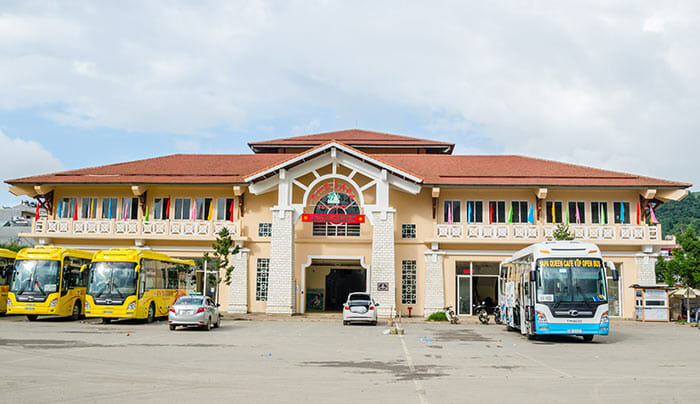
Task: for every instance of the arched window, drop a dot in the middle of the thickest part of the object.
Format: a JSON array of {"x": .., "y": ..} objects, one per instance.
[{"x": 337, "y": 203}]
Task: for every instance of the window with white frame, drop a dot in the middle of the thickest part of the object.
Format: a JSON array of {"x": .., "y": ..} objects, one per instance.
[
  {"x": 264, "y": 229},
  {"x": 130, "y": 208},
  {"x": 224, "y": 209},
  {"x": 520, "y": 211},
  {"x": 203, "y": 208},
  {"x": 452, "y": 211},
  {"x": 622, "y": 212},
  {"x": 577, "y": 212},
  {"x": 182, "y": 208},
  {"x": 408, "y": 282},
  {"x": 261, "y": 279},
  {"x": 599, "y": 212},
  {"x": 88, "y": 209},
  {"x": 161, "y": 209},
  {"x": 475, "y": 211},
  {"x": 553, "y": 212},
  {"x": 109, "y": 208},
  {"x": 67, "y": 208},
  {"x": 497, "y": 212},
  {"x": 408, "y": 230}
]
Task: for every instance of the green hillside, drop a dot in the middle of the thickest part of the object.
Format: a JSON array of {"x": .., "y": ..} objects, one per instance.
[{"x": 677, "y": 216}]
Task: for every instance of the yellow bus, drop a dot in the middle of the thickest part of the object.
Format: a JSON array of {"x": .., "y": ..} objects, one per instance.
[
  {"x": 49, "y": 281},
  {"x": 134, "y": 283},
  {"x": 7, "y": 261}
]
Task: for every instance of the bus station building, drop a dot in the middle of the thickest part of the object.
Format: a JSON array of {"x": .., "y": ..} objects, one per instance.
[{"x": 321, "y": 215}]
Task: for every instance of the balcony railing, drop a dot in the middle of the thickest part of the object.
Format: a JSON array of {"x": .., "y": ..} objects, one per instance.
[
  {"x": 534, "y": 233},
  {"x": 133, "y": 228}
]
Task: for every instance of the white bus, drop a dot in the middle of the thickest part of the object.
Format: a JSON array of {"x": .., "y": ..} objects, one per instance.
[{"x": 555, "y": 288}]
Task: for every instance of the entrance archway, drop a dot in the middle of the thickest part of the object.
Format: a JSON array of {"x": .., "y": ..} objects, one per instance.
[{"x": 327, "y": 280}]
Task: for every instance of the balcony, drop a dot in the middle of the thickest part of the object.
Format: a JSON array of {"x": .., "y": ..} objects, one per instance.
[
  {"x": 130, "y": 229},
  {"x": 528, "y": 233}
]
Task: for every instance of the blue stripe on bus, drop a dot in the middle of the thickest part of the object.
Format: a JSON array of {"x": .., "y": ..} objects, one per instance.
[{"x": 572, "y": 328}]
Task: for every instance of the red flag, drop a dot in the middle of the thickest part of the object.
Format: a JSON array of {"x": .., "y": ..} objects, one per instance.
[
  {"x": 231, "y": 210},
  {"x": 167, "y": 210},
  {"x": 491, "y": 213},
  {"x": 637, "y": 212},
  {"x": 37, "y": 212},
  {"x": 75, "y": 214}
]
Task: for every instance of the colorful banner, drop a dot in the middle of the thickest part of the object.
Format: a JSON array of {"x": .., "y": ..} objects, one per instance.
[{"x": 330, "y": 218}]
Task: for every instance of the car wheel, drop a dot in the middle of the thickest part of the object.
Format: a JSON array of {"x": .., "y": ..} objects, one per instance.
[
  {"x": 588, "y": 338},
  {"x": 76, "y": 311},
  {"x": 207, "y": 327},
  {"x": 106, "y": 320},
  {"x": 374, "y": 322},
  {"x": 172, "y": 327},
  {"x": 218, "y": 323},
  {"x": 345, "y": 322},
  {"x": 151, "y": 313},
  {"x": 32, "y": 317}
]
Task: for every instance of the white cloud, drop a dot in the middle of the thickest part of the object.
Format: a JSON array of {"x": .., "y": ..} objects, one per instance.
[
  {"x": 23, "y": 158},
  {"x": 604, "y": 84}
]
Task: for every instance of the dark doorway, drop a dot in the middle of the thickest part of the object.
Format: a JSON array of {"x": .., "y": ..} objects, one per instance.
[{"x": 340, "y": 283}]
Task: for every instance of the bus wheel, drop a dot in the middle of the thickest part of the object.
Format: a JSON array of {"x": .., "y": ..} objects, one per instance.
[
  {"x": 2, "y": 314},
  {"x": 532, "y": 337},
  {"x": 106, "y": 320},
  {"x": 32, "y": 317},
  {"x": 76, "y": 311},
  {"x": 151, "y": 313},
  {"x": 588, "y": 338}
]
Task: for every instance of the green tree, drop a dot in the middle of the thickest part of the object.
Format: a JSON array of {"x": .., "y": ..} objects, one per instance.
[
  {"x": 562, "y": 232},
  {"x": 11, "y": 246},
  {"x": 684, "y": 267},
  {"x": 223, "y": 247},
  {"x": 675, "y": 217}
]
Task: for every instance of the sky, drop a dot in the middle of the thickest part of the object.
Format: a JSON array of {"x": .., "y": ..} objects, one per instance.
[{"x": 613, "y": 85}]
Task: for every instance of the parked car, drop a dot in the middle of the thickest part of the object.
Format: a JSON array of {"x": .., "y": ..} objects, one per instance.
[
  {"x": 194, "y": 311},
  {"x": 360, "y": 307}
]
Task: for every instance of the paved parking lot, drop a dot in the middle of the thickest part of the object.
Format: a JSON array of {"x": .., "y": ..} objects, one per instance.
[{"x": 323, "y": 361}]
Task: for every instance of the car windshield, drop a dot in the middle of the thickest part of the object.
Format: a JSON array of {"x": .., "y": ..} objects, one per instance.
[
  {"x": 570, "y": 281},
  {"x": 35, "y": 276},
  {"x": 112, "y": 279},
  {"x": 189, "y": 300},
  {"x": 359, "y": 296}
]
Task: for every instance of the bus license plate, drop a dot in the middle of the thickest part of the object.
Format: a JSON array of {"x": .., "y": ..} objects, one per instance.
[
  {"x": 107, "y": 311},
  {"x": 30, "y": 308},
  {"x": 573, "y": 331}
]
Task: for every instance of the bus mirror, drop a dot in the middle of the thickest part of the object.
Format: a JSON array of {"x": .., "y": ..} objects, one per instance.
[
  {"x": 615, "y": 275},
  {"x": 533, "y": 276}
]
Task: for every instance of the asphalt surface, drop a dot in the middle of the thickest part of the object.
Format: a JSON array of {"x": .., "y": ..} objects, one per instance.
[{"x": 323, "y": 361}]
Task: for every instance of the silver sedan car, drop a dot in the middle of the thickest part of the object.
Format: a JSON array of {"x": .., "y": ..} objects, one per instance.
[
  {"x": 360, "y": 307},
  {"x": 194, "y": 311}
]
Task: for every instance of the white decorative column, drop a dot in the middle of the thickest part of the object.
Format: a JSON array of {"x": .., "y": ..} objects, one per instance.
[
  {"x": 383, "y": 261},
  {"x": 646, "y": 269},
  {"x": 434, "y": 296},
  {"x": 238, "y": 290},
  {"x": 280, "y": 292}
]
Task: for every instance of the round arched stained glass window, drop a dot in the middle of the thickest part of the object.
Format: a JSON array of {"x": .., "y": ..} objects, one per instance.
[{"x": 336, "y": 203}]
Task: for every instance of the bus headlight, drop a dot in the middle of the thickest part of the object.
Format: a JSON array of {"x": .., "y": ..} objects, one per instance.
[
  {"x": 87, "y": 305},
  {"x": 131, "y": 306},
  {"x": 9, "y": 302},
  {"x": 53, "y": 303},
  {"x": 541, "y": 318},
  {"x": 604, "y": 318}
]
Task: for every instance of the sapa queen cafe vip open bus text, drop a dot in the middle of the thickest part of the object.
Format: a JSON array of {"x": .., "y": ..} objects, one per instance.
[
  {"x": 7, "y": 261},
  {"x": 556, "y": 288},
  {"x": 134, "y": 283},
  {"x": 48, "y": 281}
]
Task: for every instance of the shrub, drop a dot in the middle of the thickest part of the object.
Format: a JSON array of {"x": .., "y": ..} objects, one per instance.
[{"x": 438, "y": 316}]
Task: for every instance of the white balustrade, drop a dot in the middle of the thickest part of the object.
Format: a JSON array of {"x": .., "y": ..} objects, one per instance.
[
  {"x": 450, "y": 231},
  {"x": 134, "y": 228}
]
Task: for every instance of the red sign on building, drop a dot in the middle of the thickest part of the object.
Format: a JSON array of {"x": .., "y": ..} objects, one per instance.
[{"x": 330, "y": 218}]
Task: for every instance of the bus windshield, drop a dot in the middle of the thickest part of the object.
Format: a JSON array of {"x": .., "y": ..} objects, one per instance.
[
  {"x": 571, "y": 280},
  {"x": 35, "y": 276},
  {"x": 112, "y": 279}
]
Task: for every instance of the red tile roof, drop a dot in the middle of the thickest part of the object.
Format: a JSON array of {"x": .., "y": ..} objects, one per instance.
[
  {"x": 509, "y": 170},
  {"x": 355, "y": 138},
  {"x": 433, "y": 168}
]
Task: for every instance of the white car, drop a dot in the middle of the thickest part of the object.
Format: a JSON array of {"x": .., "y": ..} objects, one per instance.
[
  {"x": 360, "y": 307},
  {"x": 194, "y": 311}
]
